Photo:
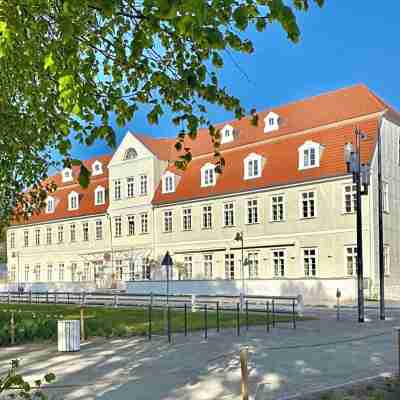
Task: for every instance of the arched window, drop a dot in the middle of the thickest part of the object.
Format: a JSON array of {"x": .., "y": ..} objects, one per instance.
[
  {"x": 73, "y": 201},
  {"x": 99, "y": 196},
  {"x": 253, "y": 165},
  {"x": 97, "y": 168},
  {"x": 168, "y": 182},
  {"x": 130, "y": 154},
  {"x": 208, "y": 176},
  {"x": 271, "y": 122},
  {"x": 50, "y": 204},
  {"x": 67, "y": 175},
  {"x": 309, "y": 155}
]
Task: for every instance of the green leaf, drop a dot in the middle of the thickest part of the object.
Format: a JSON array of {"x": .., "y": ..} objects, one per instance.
[{"x": 48, "y": 61}]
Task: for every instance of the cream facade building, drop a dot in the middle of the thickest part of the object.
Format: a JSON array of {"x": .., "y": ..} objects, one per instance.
[{"x": 285, "y": 191}]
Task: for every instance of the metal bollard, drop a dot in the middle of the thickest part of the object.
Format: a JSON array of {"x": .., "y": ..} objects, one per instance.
[
  {"x": 397, "y": 330},
  {"x": 82, "y": 324},
  {"x": 273, "y": 313},
  {"x": 238, "y": 318},
  {"x": 267, "y": 312},
  {"x": 169, "y": 323},
  {"x": 244, "y": 374},
  {"x": 217, "y": 316},
  {"x": 247, "y": 315},
  {"x": 294, "y": 315},
  {"x": 205, "y": 322},
  {"x": 185, "y": 319},
  {"x": 150, "y": 309}
]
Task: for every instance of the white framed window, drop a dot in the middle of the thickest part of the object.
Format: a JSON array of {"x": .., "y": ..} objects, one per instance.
[
  {"x": 310, "y": 261},
  {"x": 12, "y": 240},
  {"x": 349, "y": 198},
  {"x": 168, "y": 221},
  {"x": 143, "y": 185},
  {"x": 208, "y": 177},
  {"x": 208, "y": 266},
  {"x": 253, "y": 166},
  {"x": 99, "y": 229},
  {"x": 86, "y": 272},
  {"x": 26, "y": 273},
  {"x": 252, "y": 265},
  {"x": 130, "y": 186},
  {"x": 207, "y": 217},
  {"x": 119, "y": 270},
  {"x": 130, "y": 154},
  {"x": 50, "y": 205},
  {"x": 85, "y": 230},
  {"x": 307, "y": 204},
  {"x": 187, "y": 219},
  {"x": 37, "y": 237},
  {"x": 73, "y": 201},
  {"x": 277, "y": 208},
  {"x": 187, "y": 268},
  {"x": 72, "y": 232},
  {"x": 252, "y": 211},
  {"x": 36, "y": 272},
  {"x": 117, "y": 189},
  {"x": 49, "y": 235},
  {"x": 168, "y": 182},
  {"x": 146, "y": 270},
  {"x": 229, "y": 214},
  {"x": 229, "y": 266},
  {"x": 117, "y": 226},
  {"x": 271, "y": 122},
  {"x": 67, "y": 175},
  {"x": 60, "y": 234},
  {"x": 131, "y": 225},
  {"x": 385, "y": 195},
  {"x": 13, "y": 273},
  {"x": 386, "y": 259},
  {"x": 144, "y": 223},
  {"x": 49, "y": 272},
  {"x": 99, "y": 196},
  {"x": 350, "y": 254},
  {"x": 279, "y": 262},
  {"x": 26, "y": 238},
  {"x": 74, "y": 268},
  {"x": 227, "y": 134},
  {"x": 309, "y": 155},
  {"x": 61, "y": 272},
  {"x": 97, "y": 168}
]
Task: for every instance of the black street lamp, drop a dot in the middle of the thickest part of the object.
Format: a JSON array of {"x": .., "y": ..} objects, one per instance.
[
  {"x": 361, "y": 175},
  {"x": 167, "y": 262}
]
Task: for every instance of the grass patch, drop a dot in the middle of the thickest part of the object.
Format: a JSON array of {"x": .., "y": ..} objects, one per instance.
[{"x": 38, "y": 321}]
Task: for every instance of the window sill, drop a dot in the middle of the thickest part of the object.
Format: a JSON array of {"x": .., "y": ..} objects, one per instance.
[
  {"x": 348, "y": 212},
  {"x": 253, "y": 223},
  {"x": 307, "y": 218},
  {"x": 280, "y": 220},
  {"x": 206, "y": 229},
  {"x": 229, "y": 226}
]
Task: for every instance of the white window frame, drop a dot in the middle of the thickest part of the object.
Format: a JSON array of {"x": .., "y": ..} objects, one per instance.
[
  {"x": 228, "y": 259},
  {"x": 37, "y": 237},
  {"x": 72, "y": 232},
  {"x": 129, "y": 152},
  {"x": 309, "y": 146},
  {"x": 97, "y": 168},
  {"x": 271, "y": 122},
  {"x": 208, "y": 264},
  {"x": 73, "y": 196},
  {"x": 230, "y": 210},
  {"x": 227, "y": 134},
  {"x": 50, "y": 204},
  {"x": 310, "y": 275},
  {"x": 67, "y": 175},
  {"x": 99, "y": 229},
  {"x": 249, "y": 171},
  {"x": 117, "y": 189},
  {"x": 26, "y": 238},
  {"x": 144, "y": 223},
  {"x": 85, "y": 231},
  {"x": 144, "y": 184},
  {"x": 188, "y": 268},
  {"x": 49, "y": 235},
  {"x": 353, "y": 193},
  {"x": 131, "y": 219},
  {"x": 118, "y": 226},
  {"x": 99, "y": 190},
  {"x": 253, "y": 264},
  {"x": 301, "y": 203},
  {"x": 187, "y": 215},
  {"x": 271, "y": 210},
  {"x": 207, "y": 216},
  {"x": 61, "y": 272},
  {"x": 353, "y": 248},
  {"x": 12, "y": 240},
  {"x": 167, "y": 221},
  {"x": 60, "y": 234},
  {"x": 208, "y": 175},
  {"x": 168, "y": 182},
  {"x": 49, "y": 272},
  {"x": 252, "y": 212},
  {"x": 26, "y": 273},
  {"x": 284, "y": 258},
  {"x": 130, "y": 187}
]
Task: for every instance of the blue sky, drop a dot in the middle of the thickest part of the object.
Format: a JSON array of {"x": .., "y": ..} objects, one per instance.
[{"x": 344, "y": 43}]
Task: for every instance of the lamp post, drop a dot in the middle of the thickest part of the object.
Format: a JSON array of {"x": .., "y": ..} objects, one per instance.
[
  {"x": 239, "y": 238},
  {"x": 167, "y": 262},
  {"x": 361, "y": 174}
]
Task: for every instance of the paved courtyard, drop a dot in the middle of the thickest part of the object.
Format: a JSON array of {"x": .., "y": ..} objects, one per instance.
[{"x": 283, "y": 363}]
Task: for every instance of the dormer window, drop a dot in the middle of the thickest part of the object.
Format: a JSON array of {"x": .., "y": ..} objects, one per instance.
[
  {"x": 97, "y": 168},
  {"x": 227, "y": 134},
  {"x": 271, "y": 122},
  {"x": 208, "y": 177},
  {"x": 168, "y": 182},
  {"x": 67, "y": 175},
  {"x": 99, "y": 196},
  {"x": 73, "y": 201},
  {"x": 130, "y": 154},
  {"x": 50, "y": 205},
  {"x": 309, "y": 155},
  {"x": 253, "y": 165}
]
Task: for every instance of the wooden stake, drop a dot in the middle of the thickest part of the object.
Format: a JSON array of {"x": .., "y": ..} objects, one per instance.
[
  {"x": 245, "y": 374},
  {"x": 82, "y": 325}
]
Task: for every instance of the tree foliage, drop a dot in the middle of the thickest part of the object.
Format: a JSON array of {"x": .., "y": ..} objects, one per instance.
[{"x": 69, "y": 66}]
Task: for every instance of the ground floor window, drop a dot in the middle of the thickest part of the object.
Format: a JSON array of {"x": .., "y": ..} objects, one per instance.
[
  {"x": 230, "y": 266},
  {"x": 12, "y": 276},
  {"x": 131, "y": 270},
  {"x": 187, "y": 270},
  {"x": 49, "y": 272},
  {"x": 73, "y": 272},
  {"x": 36, "y": 271},
  {"x": 310, "y": 261},
  {"x": 61, "y": 272},
  {"x": 86, "y": 272},
  {"x": 119, "y": 270},
  {"x": 351, "y": 260},
  {"x": 208, "y": 266},
  {"x": 279, "y": 262},
  {"x": 26, "y": 273},
  {"x": 252, "y": 263},
  {"x": 146, "y": 270}
]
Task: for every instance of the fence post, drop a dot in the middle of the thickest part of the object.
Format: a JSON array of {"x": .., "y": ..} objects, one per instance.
[
  {"x": 12, "y": 328},
  {"x": 244, "y": 374},
  {"x": 294, "y": 314},
  {"x": 397, "y": 330},
  {"x": 185, "y": 319},
  {"x": 47, "y": 296},
  {"x": 205, "y": 322},
  {"x": 238, "y": 319},
  {"x": 247, "y": 315},
  {"x": 55, "y": 297},
  {"x": 150, "y": 309},
  {"x": 8, "y": 297},
  {"x": 273, "y": 313},
  {"x": 82, "y": 324},
  {"x": 267, "y": 312},
  {"x": 30, "y": 297},
  {"x": 169, "y": 323},
  {"x": 68, "y": 298},
  {"x": 217, "y": 316}
]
